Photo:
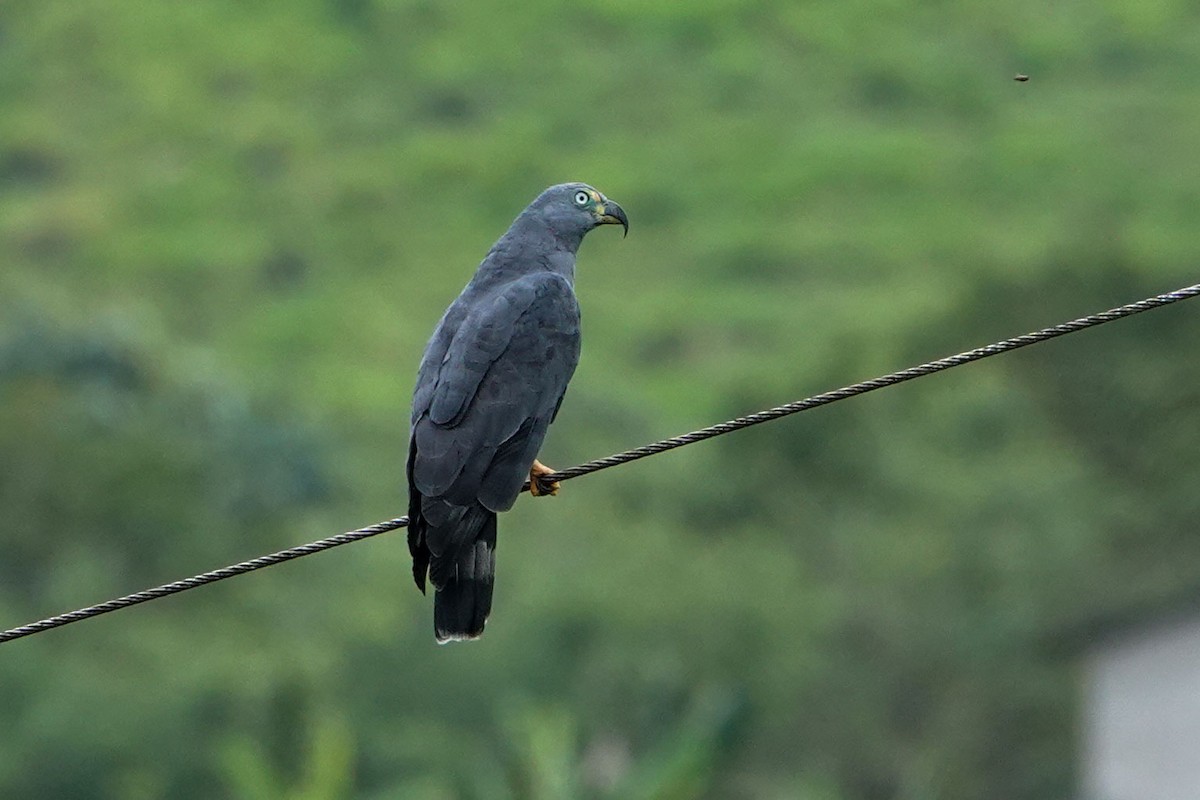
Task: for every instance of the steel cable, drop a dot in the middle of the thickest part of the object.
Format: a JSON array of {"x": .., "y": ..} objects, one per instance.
[{"x": 825, "y": 398}]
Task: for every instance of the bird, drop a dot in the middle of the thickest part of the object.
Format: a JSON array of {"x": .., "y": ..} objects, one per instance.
[{"x": 490, "y": 383}]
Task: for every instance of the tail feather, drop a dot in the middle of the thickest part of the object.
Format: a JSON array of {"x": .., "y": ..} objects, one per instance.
[
  {"x": 464, "y": 582},
  {"x": 454, "y": 546}
]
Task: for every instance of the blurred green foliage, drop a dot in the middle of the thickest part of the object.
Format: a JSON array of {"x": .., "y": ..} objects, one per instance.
[{"x": 226, "y": 230}]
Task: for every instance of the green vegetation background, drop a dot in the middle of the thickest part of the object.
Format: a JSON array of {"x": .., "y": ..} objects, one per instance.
[{"x": 226, "y": 230}]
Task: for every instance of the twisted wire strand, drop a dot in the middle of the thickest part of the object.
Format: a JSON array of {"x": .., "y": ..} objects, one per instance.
[
  {"x": 620, "y": 458},
  {"x": 921, "y": 370},
  {"x": 203, "y": 578}
]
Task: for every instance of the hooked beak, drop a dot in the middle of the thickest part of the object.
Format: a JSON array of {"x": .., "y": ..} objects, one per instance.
[{"x": 612, "y": 214}]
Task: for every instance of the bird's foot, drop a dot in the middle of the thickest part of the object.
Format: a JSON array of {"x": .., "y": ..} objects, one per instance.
[{"x": 538, "y": 485}]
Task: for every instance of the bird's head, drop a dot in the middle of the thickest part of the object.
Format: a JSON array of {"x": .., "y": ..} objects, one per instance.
[{"x": 573, "y": 209}]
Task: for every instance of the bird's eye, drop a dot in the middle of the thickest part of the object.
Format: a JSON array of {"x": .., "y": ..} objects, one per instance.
[{"x": 582, "y": 198}]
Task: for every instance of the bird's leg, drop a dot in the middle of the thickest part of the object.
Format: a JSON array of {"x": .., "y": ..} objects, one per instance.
[{"x": 538, "y": 486}]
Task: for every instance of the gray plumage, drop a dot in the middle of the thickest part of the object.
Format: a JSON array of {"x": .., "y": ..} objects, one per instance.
[{"x": 490, "y": 383}]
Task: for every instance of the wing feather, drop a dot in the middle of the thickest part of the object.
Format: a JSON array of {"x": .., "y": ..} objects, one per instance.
[
  {"x": 501, "y": 378},
  {"x": 479, "y": 341}
]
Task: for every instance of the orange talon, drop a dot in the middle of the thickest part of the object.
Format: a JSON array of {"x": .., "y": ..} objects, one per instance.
[{"x": 538, "y": 487}]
